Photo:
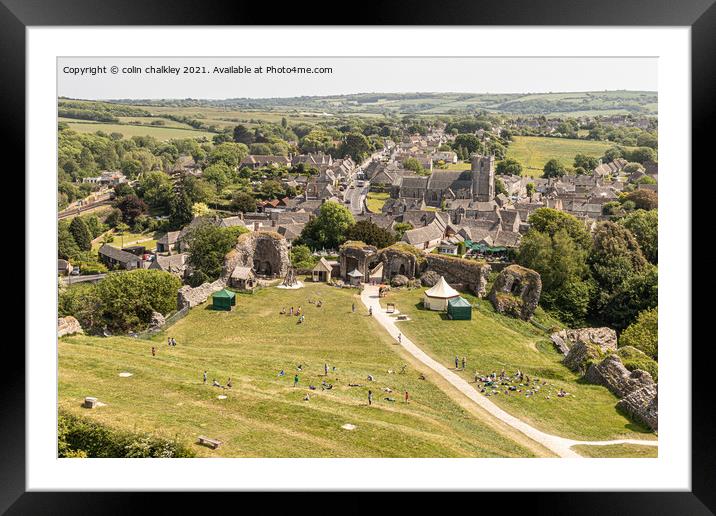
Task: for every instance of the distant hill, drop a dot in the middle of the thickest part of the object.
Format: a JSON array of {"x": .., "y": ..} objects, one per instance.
[{"x": 576, "y": 103}]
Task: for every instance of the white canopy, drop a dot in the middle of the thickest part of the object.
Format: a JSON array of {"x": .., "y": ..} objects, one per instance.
[
  {"x": 355, "y": 273},
  {"x": 442, "y": 290}
]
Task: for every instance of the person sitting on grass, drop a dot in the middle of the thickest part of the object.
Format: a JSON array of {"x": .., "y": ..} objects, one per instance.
[
  {"x": 214, "y": 383},
  {"x": 283, "y": 311},
  {"x": 228, "y": 383}
]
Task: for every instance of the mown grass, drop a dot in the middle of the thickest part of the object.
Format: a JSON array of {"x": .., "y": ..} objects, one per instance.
[
  {"x": 376, "y": 200},
  {"x": 492, "y": 342},
  {"x": 610, "y": 451},
  {"x": 534, "y": 151},
  {"x": 264, "y": 415}
]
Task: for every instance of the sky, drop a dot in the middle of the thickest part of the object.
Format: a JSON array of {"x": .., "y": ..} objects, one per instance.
[{"x": 351, "y": 75}]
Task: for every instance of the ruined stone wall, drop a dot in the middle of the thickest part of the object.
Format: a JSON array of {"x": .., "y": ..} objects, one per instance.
[
  {"x": 604, "y": 337},
  {"x": 193, "y": 296},
  {"x": 399, "y": 259},
  {"x": 357, "y": 255},
  {"x": 460, "y": 273},
  {"x": 265, "y": 251},
  {"x": 516, "y": 291}
]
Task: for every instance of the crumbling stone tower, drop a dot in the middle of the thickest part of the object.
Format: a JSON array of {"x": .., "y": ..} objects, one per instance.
[{"x": 483, "y": 177}]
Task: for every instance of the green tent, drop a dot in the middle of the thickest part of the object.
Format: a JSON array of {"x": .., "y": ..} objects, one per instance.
[
  {"x": 223, "y": 300},
  {"x": 459, "y": 309}
]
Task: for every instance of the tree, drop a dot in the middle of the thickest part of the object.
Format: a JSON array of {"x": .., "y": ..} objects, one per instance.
[
  {"x": 644, "y": 225},
  {"x": 155, "y": 189},
  {"x": 356, "y": 146},
  {"x": 638, "y": 293},
  {"x": 131, "y": 207},
  {"x": 209, "y": 244},
  {"x": 243, "y": 135},
  {"x": 550, "y": 221},
  {"x": 585, "y": 162},
  {"x": 272, "y": 189},
  {"x": 500, "y": 187},
  {"x": 113, "y": 218},
  {"x": 370, "y": 233},
  {"x": 180, "y": 213},
  {"x": 229, "y": 153},
  {"x": 615, "y": 256},
  {"x": 127, "y": 299},
  {"x": 562, "y": 263},
  {"x": 553, "y": 168},
  {"x": 81, "y": 234},
  {"x": 508, "y": 166},
  {"x": 217, "y": 175},
  {"x": 243, "y": 202},
  {"x": 302, "y": 258},
  {"x": 200, "y": 209},
  {"x": 469, "y": 142},
  {"x": 328, "y": 229},
  {"x": 400, "y": 228},
  {"x": 67, "y": 248},
  {"x": 643, "y": 199},
  {"x": 413, "y": 164},
  {"x": 530, "y": 189},
  {"x": 643, "y": 334}
]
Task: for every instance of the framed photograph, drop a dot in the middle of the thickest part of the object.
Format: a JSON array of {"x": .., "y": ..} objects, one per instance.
[{"x": 422, "y": 255}]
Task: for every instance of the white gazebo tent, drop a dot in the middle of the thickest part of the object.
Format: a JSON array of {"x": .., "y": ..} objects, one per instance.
[{"x": 437, "y": 297}]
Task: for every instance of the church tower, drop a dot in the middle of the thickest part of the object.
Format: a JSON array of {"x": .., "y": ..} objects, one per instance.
[{"x": 483, "y": 178}]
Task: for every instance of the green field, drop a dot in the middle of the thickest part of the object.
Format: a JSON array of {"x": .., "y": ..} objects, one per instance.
[
  {"x": 264, "y": 415},
  {"x": 491, "y": 342},
  {"x": 617, "y": 451},
  {"x": 534, "y": 151},
  {"x": 148, "y": 240},
  {"x": 127, "y": 130},
  {"x": 376, "y": 200}
]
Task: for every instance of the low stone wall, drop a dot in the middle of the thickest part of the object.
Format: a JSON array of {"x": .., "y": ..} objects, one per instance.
[
  {"x": 68, "y": 326},
  {"x": 611, "y": 373},
  {"x": 193, "y": 296},
  {"x": 642, "y": 405},
  {"x": 460, "y": 273}
]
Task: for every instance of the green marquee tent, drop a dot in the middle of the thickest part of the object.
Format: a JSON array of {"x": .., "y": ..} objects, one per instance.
[
  {"x": 459, "y": 309},
  {"x": 223, "y": 300}
]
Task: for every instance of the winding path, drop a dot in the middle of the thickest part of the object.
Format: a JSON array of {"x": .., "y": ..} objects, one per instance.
[{"x": 559, "y": 445}]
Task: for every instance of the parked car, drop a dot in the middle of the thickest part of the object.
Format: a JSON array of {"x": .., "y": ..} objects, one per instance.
[{"x": 75, "y": 270}]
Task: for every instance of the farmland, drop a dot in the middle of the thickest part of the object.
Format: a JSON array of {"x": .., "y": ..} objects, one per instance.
[{"x": 534, "y": 151}]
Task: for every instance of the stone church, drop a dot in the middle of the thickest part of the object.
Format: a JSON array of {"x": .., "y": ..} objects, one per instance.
[{"x": 476, "y": 184}]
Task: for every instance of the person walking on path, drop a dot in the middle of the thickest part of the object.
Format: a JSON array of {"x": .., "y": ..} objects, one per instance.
[
  {"x": 353, "y": 307},
  {"x": 464, "y": 362},
  {"x": 457, "y": 362},
  {"x": 295, "y": 380},
  {"x": 204, "y": 377},
  {"x": 169, "y": 341},
  {"x": 400, "y": 338},
  {"x": 370, "y": 311},
  {"x": 370, "y": 397}
]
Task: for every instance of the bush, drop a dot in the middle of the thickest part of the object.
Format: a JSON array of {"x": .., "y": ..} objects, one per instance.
[
  {"x": 634, "y": 359},
  {"x": 643, "y": 334},
  {"x": 79, "y": 437}
]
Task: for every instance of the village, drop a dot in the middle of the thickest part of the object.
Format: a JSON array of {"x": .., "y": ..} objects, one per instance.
[{"x": 437, "y": 245}]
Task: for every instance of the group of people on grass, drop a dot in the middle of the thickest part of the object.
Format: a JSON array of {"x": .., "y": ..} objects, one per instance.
[
  {"x": 214, "y": 383},
  {"x": 518, "y": 383},
  {"x": 171, "y": 342}
]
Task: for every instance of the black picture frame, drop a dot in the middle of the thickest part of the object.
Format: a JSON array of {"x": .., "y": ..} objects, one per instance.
[{"x": 700, "y": 15}]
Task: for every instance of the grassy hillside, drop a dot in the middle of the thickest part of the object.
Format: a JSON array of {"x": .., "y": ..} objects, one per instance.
[
  {"x": 264, "y": 415},
  {"x": 592, "y": 103},
  {"x": 491, "y": 342},
  {"x": 534, "y": 151}
]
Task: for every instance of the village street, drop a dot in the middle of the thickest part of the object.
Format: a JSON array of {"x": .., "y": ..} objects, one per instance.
[{"x": 558, "y": 445}]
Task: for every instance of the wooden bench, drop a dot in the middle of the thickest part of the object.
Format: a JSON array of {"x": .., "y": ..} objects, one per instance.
[{"x": 211, "y": 443}]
